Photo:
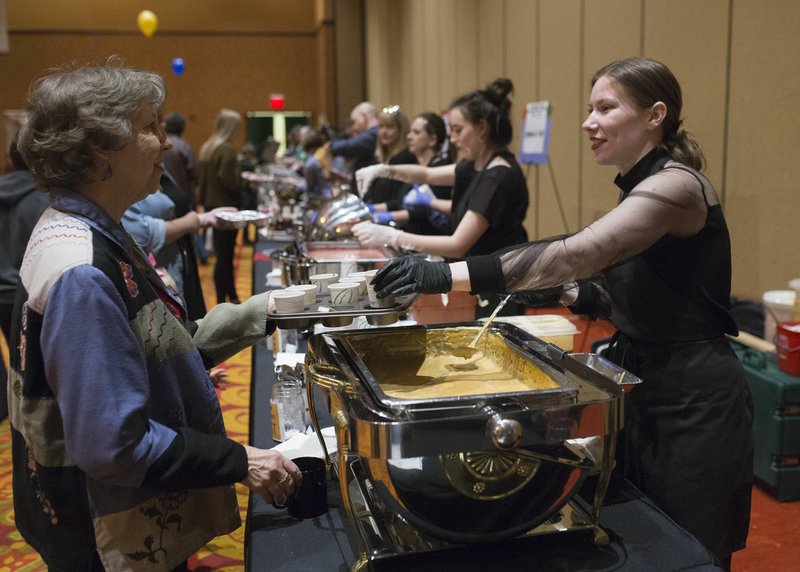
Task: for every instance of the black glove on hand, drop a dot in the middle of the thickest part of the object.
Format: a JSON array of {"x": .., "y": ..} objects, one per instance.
[
  {"x": 413, "y": 274},
  {"x": 543, "y": 297}
]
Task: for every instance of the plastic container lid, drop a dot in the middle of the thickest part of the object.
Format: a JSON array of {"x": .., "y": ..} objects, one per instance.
[{"x": 779, "y": 298}]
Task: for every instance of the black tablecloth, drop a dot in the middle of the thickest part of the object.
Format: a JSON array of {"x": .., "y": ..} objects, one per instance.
[{"x": 642, "y": 537}]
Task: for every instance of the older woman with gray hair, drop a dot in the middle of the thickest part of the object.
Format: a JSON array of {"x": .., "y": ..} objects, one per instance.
[{"x": 121, "y": 461}]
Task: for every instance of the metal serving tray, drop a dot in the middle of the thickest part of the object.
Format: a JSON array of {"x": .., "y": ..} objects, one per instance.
[
  {"x": 334, "y": 316},
  {"x": 413, "y": 347}
]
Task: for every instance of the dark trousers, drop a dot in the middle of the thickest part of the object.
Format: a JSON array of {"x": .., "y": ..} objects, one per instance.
[
  {"x": 5, "y": 324},
  {"x": 224, "y": 246}
]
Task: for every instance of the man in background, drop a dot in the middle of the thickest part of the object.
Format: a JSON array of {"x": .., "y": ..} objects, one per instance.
[
  {"x": 359, "y": 148},
  {"x": 181, "y": 163}
]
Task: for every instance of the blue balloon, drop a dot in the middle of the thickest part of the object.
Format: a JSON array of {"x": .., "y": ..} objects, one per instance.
[{"x": 178, "y": 66}]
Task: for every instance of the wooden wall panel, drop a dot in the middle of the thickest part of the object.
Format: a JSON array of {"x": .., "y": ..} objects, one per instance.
[
  {"x": 491, "y": 41},
  {"x": 562, "y": 83},
  {"x": 763, "y": 177},
  {"x": 703, "y": 29},
  {"x": 349, "y": 58},
  {"x": 209, "y": 83},
  {"x": 520, "y": 24},
  {"x": 612, "y": 30},
  {"x": 176, "y": 15}
]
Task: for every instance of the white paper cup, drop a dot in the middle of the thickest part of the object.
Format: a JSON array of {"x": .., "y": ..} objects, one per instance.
[
  {"x": 376, "y": 302},
  {"x": 288, "y": 301},
  {"x": 344, "y": 293},
  {"x": 310, "y": 290},
  {"x": 323, "y": 280},
  {"x": 359, "y": 279}
]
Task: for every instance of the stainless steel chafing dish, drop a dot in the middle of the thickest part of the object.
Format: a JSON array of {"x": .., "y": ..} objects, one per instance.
[
  {"x": 301, "y": 260},
  {"x": 436, "y": 450}
]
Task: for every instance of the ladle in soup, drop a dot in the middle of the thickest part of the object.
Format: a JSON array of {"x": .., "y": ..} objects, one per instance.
[{"x": 471, "y": 349}]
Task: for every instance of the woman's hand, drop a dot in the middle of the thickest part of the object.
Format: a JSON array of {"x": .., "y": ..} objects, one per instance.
[
  {"x": 365, "y": 176},
  {"x": 218, "y": 375},
  {"x": 209, "y": 218},
  {"x": 419, "y": 196},
  {"x": 374, "y": 235},
  {"x": 409, "y": 274},
  {"x": 271, "y": 475}
]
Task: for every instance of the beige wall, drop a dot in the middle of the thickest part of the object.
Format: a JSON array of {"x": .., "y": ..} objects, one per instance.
[{"x": 736, "y": 60}]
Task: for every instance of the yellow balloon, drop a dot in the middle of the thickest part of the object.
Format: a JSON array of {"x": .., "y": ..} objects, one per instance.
[{"x": 147, "y": 23}]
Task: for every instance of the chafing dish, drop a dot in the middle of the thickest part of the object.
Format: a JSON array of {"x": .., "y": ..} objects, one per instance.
[
  {"x": 335, "y": 220},
  {"x": 435, "y": 450},
  {"x": 300, "y": 260}
]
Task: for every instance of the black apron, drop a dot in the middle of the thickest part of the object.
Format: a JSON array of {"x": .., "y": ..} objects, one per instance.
[{"x": 687, "y": 442}]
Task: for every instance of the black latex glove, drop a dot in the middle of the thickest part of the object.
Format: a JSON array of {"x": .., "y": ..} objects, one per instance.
[
  {"x": 413, "y": 274},
  {"x": 543, "y": 297}
]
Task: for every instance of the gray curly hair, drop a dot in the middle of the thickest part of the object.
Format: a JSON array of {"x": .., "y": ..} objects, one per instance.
[{"x": 76, "y": 112}]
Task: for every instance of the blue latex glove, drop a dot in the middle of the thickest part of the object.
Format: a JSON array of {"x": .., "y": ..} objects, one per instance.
[
  {"x": 382, "y": 217},
  {"x": 439, "y": 221},
  {"x": 420, "y": 195},
  {"x": 371, "y": 207}
]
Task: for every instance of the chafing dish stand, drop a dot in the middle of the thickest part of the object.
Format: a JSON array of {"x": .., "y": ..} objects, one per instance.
[{"x": 641, "y": 536}]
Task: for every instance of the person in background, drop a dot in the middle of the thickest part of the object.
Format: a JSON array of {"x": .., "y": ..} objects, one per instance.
[
  {"x": 221, "y": 185},
  {"x": 359, "y": 148},
  {"x": 386, "y": 195},
  {"x": 659, "y": 265},
  {"x": 269, "y": 155},
  {"x": 180, "y": 162},
  {"x": 248, "y": 163},
  {"x": 294, "y": 156},
  {"x": 121, "y": 461},
  {"x": 163, "y": 224},
  {"x": 21, "y": 205},
  {"x": 423, "y": 207},
  {"x": 490, "y": 194},
  {"x": 317, "y": 174}
]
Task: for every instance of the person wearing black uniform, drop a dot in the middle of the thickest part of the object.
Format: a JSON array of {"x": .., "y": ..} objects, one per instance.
[
  {"x": 490, "y": 194},
  {"x": 659, "y": 265},
  {"x": 424, "y": 206}
]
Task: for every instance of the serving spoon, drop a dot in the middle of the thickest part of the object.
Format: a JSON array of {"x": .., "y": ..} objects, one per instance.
[{"x": 471, "y": 349}]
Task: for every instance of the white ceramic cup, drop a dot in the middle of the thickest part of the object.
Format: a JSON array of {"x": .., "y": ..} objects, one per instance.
[
  {"x": 344, "y": 293},
  {"x": 288, "y": 301},
  {"x": 322, "y": 280},
  {"x": 310, "y": 290},
  {"x": 359, "y": 279}
]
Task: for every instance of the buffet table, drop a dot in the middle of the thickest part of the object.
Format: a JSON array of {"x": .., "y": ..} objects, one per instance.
[{"x": 642, "y": 537}]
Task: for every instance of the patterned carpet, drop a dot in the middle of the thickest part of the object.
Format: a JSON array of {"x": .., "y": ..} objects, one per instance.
[{"x": 225, "y": 553}]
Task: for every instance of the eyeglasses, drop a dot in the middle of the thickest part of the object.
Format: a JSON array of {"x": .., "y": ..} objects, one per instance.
[{"x": 391, "y": 110}]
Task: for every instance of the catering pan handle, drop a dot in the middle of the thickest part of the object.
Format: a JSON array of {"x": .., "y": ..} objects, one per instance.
[
  {"x": 329, "y": 377},
  {"x": 606, "y": 368},
  {"x": 592, "y": 367}
]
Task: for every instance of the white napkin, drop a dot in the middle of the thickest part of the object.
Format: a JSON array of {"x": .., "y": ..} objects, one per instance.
[
  {"x": 303, "y": 445},
  {"x": 290, "y": 359}
]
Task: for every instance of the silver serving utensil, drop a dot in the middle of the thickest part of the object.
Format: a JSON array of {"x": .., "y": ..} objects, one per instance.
[{"x": 471, "y": 349}]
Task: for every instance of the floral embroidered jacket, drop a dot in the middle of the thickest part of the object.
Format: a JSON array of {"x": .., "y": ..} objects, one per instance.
[{"x": 119, "y": 446}]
